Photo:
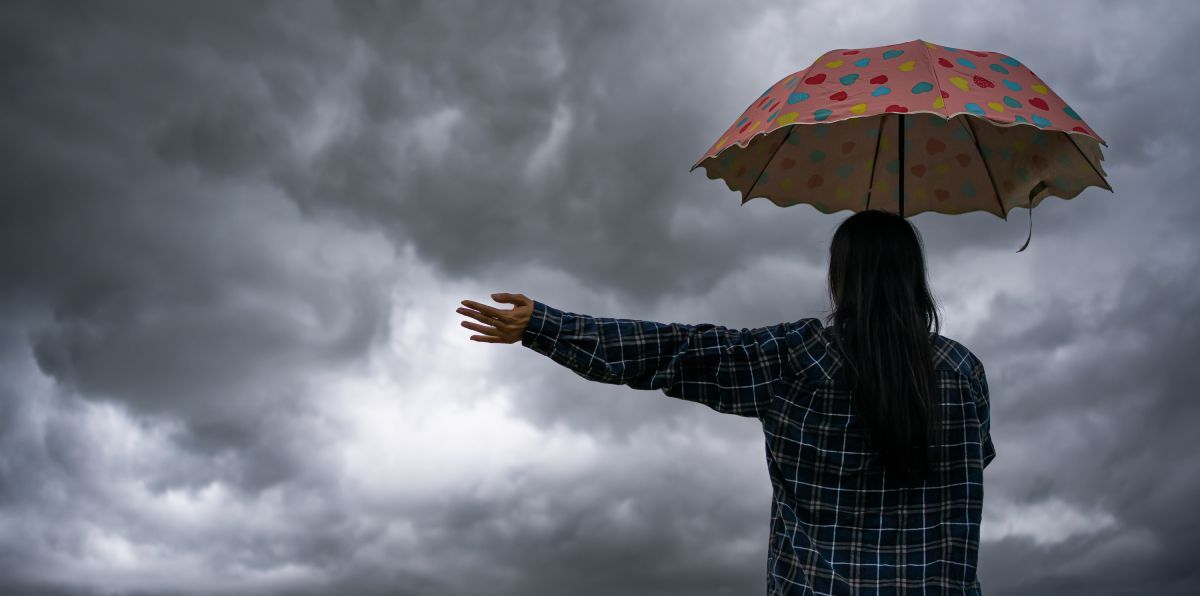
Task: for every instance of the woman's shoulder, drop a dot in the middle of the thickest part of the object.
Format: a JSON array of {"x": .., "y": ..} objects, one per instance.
[
  {"x": 950, "y": 354},
  {"x": 812, "y": 346},
  {"x": 809, "y": 347}
]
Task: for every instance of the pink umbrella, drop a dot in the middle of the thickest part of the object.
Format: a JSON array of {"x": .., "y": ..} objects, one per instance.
[{"x": 980, "y": 132}]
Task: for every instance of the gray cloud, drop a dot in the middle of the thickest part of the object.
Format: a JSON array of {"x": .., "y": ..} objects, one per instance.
[{"x": 213, "y": 215}]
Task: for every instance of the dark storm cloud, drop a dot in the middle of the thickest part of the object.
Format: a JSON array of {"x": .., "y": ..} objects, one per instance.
[
  {"x": 194, "y": 201},
  {"x": 169, "y": 289},
  {"x": 1109, "y": 429},
  {"x": 616, "y": 175},
  {"x": 615, "y": 180}
]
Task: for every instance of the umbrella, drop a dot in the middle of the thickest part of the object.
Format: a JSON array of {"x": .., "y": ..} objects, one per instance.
[{"x": 910, "y": 127}]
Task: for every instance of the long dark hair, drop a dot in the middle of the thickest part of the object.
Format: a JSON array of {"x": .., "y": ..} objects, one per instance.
[{"x": 882, "y": 317}]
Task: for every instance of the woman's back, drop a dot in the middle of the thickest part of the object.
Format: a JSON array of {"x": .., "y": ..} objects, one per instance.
[
  {"x": 840, "y": 523},
  {"x": 877, "y": 434}
]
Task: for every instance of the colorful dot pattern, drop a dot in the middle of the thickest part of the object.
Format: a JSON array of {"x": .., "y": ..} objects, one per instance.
[
  {"x": 951, "y": 166},
  {"x": 1008, "y": 106}
]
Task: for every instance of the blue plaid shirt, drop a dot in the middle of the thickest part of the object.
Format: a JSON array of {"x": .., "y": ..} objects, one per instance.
[{"x": 837, "y": 525}]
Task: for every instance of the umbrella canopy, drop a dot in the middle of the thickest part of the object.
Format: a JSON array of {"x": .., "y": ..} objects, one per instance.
[{"x": 909, "y": 128}]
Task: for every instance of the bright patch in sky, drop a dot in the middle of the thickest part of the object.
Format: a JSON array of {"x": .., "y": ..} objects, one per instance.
[{"x": 1046, "y": 523}]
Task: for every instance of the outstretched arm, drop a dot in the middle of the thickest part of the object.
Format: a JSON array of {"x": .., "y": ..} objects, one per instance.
[{"x": 731, "y": 371}]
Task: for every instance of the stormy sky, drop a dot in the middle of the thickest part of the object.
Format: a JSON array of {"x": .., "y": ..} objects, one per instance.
[{"x": 233, "y": 236}]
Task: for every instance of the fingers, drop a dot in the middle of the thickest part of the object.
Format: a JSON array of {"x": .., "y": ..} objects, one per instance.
[
  {"x": 499, "y": 326},
  {"x": 483, "y": 308},
  {"x": 482, "y": 318},
  {"x": 484, "y": 329}
]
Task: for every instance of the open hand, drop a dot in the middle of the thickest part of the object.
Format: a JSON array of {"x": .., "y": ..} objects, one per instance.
[{"x": 499, "y": 326}]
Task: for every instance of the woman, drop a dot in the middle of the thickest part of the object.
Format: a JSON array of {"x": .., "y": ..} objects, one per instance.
[{"x": 877, "y": 427}]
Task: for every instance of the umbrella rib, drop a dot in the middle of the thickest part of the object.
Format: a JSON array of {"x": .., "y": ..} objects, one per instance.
[
  {"x": 874, "y": 162},
  {"x": 900, "y": 158},
  {"x": 791, "y": 129},
  {"x": 1085, "y": 158},
  {"x": 937, "y": 82},
  {"x": 983, "y": 158}
]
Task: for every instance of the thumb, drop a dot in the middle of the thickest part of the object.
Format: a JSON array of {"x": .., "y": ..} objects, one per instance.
[{"x": 517, "y": 299}]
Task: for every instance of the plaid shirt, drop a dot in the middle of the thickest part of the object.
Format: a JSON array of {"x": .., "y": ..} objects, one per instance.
[{"x": 837, "y": 525}]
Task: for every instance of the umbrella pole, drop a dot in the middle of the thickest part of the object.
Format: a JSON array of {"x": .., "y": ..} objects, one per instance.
[{"x": 900, "y": 149}]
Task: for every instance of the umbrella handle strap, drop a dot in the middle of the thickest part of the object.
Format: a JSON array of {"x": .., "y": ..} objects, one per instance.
[{"x": 1032, "y": 192}]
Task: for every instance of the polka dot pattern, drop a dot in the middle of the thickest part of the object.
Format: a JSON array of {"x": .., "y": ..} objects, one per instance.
[
  {"x": 813, "y": 136},
  {"x": 951, "y": 166}
]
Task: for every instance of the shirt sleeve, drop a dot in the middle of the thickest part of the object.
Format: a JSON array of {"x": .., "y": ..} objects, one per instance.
[
  {"x": 731, "y": 371},
  {"x": 984, "y": 412}
]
